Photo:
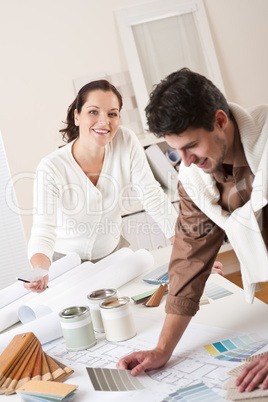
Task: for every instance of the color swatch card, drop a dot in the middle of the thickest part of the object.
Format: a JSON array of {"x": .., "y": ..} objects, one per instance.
[
  {"x": 46, "y": 391},
  {"x": 215, "y": 292},
  {"x": 197, "y": 392},
  {"x": 105, "y": 379},
  {"x": 203, "y": 300},
  {"x": 158, "y": 275},
  {"x": 236, "y": 349}
]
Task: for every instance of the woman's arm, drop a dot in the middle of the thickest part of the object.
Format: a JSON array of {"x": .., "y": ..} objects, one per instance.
[{"x": 43, "y": 233}]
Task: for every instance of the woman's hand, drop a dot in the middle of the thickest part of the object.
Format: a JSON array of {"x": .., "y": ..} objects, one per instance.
[
  {"x": 217, "y": 268},
  {"x": 37, "y": 286},
  {"x": 254, "y": 374},
  {"x": 42, "y": 261}
]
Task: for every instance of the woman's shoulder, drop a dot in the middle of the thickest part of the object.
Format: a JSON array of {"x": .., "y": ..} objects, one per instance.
[
  {"x": 57, "y": 157},
  {"x": 125, "y": 136}
]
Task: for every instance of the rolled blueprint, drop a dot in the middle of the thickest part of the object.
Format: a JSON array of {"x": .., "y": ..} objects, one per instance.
[
  {"x": 104, "y": 275},
  {"x": 9, "y": 314},
  {"x": 62, "y": 269},
  {"x": 17, "y": 290},
  {"x": 78, "y": 276},
  {"x": 46, "y": 329}
]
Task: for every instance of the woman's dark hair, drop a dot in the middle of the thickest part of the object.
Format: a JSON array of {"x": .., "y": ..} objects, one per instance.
[
  {"x": 71, "y": 131},
  {"x": 183, "y": 100}
]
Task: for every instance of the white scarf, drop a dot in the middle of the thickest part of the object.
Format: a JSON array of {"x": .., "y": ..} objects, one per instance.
[{"x": 241, "y": 226}]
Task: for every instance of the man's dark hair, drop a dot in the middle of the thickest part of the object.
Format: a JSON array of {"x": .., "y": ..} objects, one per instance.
[{"x": 183, "y": 100}]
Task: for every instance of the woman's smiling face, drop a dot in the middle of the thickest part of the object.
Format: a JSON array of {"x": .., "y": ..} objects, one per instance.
[{"x": 99, "y": 119}]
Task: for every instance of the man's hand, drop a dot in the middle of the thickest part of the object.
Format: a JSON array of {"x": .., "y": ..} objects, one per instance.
[
  {"x": 37, "y": 286},
  {"x": 138, "y": 362},
  {"x": 217, "y": 268},
  {"x": 172, "y": 331},
  {"x": 254, "y": 374}
]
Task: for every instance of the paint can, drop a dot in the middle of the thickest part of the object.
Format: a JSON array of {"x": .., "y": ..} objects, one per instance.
[
  {"x": 117, "y": 319},
  {"x": 94, "y": 300},
  {"x": 77, "y": 328}
]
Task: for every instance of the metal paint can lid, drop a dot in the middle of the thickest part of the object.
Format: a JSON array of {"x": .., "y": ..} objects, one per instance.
[
  {"x": 115, "y": 302},
  {"x": 101, "y": 294},
  {"x": 74, "y": 311}
]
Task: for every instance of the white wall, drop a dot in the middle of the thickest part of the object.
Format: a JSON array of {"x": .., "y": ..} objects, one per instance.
[{"x": 44, "y": 45}]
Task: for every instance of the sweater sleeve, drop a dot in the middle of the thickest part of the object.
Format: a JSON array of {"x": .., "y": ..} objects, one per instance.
[
  {"x": 46, "y": 194},
  {"x": 197, "y": 242},
  {"x": 150, "y": 193}
]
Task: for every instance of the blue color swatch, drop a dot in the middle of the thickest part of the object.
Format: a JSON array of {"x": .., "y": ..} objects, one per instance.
[
  {"x": 198, "y": 392},
  {"x": 235, "y": 349}
]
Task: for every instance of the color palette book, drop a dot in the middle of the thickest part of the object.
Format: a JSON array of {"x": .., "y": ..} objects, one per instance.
[
  {"x": 212, "y": 290},
  {"x": 236, "y": 349},
  {"x": 198, "y": 392},
  {"x": 142, "y": 297},
  {"x": 158, "y": 275},
  {"x": 215, "y": 292}
]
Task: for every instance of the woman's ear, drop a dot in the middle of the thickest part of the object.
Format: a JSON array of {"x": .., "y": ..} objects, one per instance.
[
  {"x": 76, "y": 117},
  {"x": 221, "y": 119}
]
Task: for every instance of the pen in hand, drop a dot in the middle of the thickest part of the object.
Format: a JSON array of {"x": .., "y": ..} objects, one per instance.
[{"x": 26, "y": 281}]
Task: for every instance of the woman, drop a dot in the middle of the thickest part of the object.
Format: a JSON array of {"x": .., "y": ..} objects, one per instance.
[{"x": 80, "y": 188}]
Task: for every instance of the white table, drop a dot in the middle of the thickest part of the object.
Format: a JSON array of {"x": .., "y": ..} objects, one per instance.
[{"x": 230, "y": 313}]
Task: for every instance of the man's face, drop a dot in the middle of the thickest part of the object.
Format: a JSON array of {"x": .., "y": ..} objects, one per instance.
[{"x": 206, "y": 149}]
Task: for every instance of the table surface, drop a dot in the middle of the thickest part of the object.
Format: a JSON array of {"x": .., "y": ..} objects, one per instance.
[{"x": 229, "y": 313}]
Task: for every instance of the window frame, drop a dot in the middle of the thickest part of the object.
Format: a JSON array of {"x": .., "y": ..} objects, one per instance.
[{"x": 128, "y": 17}]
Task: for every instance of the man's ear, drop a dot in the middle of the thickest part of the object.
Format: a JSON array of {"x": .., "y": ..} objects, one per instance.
[
  {"x": 76, "y": 117},
  {"x": 221, "y": 119}
]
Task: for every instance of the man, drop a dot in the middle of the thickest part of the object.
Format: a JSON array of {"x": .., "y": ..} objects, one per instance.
[{"x": 223, "y": 189}]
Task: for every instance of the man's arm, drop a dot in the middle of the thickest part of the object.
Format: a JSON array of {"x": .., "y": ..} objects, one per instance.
[
  {"x": 171, "y": 333},
  {"x": 197, "y": 241}
]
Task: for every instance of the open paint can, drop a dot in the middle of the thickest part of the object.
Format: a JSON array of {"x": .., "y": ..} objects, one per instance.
[
  {"x": 94, "y": 300},
  {"x": 77, "y": 328},
  {"x": 117, "y": 319}
]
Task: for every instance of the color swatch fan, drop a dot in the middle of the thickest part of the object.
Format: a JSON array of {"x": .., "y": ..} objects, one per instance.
[{"x": 24, "y": 360}]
